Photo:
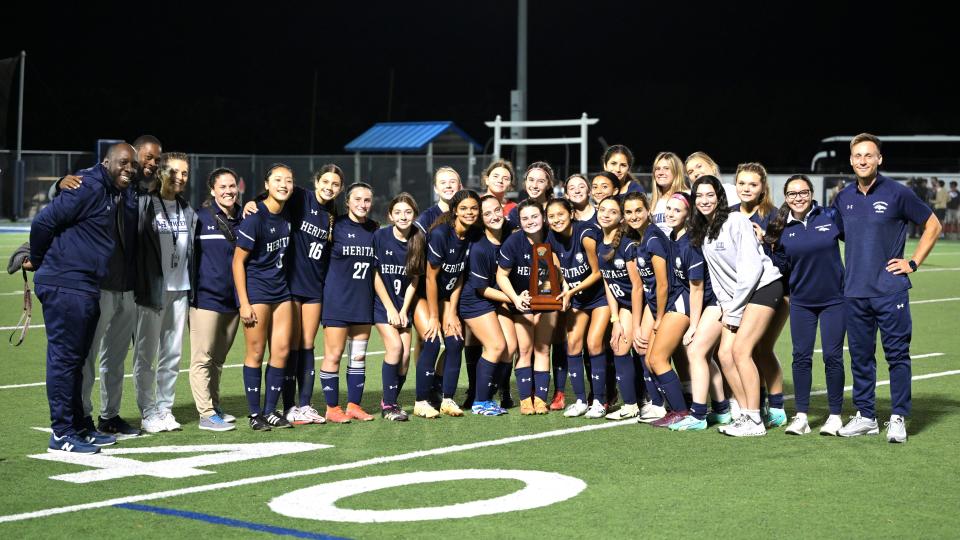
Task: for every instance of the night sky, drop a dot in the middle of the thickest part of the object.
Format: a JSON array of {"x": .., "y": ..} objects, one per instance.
[{"x": 740, "y": 81}]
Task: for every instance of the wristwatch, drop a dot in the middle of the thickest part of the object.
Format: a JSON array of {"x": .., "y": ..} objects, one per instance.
[{"x": 913, "y": 265}]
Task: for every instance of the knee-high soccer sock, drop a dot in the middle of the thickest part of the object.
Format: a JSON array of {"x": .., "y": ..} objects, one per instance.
[
  {"x": 611, "y": 372},
  {"x": 524, "y": 382},
  {"x": 451, "y": 365},
  {"x": 251, "y": 387},
  {"x": 673, "y": 390},
  {"x": 763, "y": 395},
  {"x": 401, "y": 380},
  {"x": 471, "y": 357},
  {"x": 290, "y": 370},
  {"x": 306, "y": 376},
  {"x": 485, "y": 373},
  {"x": 274, "y": 378},
  {"x": 391, "y": 383},
  {"x": 775, "y": 400},
  {"x": 541, "y": 384},
  {"x": 720, "y": 407},
  {"x": 598, "y": 372},
  {"x": 558, "y": 359},
  {"x": 651, "y": 386},
  {"x": 427, "y": 368},
  {"x": 330, "y": 383},
  {"x": 698, "y": 410},
  {"x": 588, "y": 371},
  {"x": 626, "y": 378},
  {"x": 502, "y": 376},
  {"x": 575, "y": 370},
  {"x": 356, "y": 380}
]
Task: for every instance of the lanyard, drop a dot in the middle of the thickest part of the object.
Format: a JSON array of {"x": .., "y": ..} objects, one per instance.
[{"x": 174, "y": 232}]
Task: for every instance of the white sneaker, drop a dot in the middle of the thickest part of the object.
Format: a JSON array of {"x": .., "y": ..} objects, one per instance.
[
  {"x": 896, "y": 429},
  {"x": 650, "y": 412},
  {"x": 596, "y": 410},
  {"x": 577, "y": 408},
  {"x": 624, "y": 412},
  {"x": 312, "y": 415},
  {"x": 832, "y": 425},
  {"x": 798, "y": 426},
  {"x": 745, "y": 427},
  {"x": 169, "y": 422},
  {"x": 153, "y": 423},
  {"x": 859, "y": 425}
]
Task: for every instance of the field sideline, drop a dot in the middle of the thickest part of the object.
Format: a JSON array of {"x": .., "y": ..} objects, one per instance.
[{"x": 539, "y": 475}]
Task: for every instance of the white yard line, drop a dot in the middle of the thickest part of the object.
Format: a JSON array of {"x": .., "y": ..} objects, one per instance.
[{"x": 354, "y": 465}]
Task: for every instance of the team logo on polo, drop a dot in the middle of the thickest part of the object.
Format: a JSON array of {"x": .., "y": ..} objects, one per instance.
[
  {"x": 880, "y": 207},
  {"x": 824, "y": 228},
  {"x": 618, "y": 263}
]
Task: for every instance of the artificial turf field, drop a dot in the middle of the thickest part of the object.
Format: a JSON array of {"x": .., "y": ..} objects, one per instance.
[{"x": 605, "y": 479}]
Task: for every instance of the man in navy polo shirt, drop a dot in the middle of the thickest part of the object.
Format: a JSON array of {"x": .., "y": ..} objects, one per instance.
[{"x": 875, "y": 213}]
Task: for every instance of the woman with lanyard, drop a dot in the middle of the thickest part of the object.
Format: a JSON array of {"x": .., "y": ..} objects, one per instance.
[
  {"x": 264, "y": 296},
  {"x": 395, "y": 295},
  {"x": 482, "y": 308},
  {"x": 348, "y": 305},
  {"x": 440, "y": 273},
  {"x": 165, "y": 280},
  {"x": 749, "y": 289},
  {"x": 618, "y": 159},
  {"x": 214, "y": 318},
  {"x": 805, "y": 244}
]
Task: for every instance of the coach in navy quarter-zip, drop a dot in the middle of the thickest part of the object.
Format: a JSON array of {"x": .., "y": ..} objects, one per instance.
[{"x": 874, "y": 213}]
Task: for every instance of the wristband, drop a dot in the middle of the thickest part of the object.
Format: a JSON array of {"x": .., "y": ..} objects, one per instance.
[{"x": 913, "y": 265}]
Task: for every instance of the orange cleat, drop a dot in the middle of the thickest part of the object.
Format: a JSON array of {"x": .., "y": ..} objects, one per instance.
[
  {"x": 526, "y": 407},
  {"x": 540, "y": 406},
  {"x": 337, "y": 416},
  {"x": 559, "y": 402},
  {"x": 357, "y": 413}
]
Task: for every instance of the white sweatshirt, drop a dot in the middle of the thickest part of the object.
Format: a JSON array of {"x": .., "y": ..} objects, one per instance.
[{"x": 738, "y": 266}]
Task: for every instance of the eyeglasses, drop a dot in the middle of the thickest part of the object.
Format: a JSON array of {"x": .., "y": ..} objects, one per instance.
[{"x": 791, "y": 195}]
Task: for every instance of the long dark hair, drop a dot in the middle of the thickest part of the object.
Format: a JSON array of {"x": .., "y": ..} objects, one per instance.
[
  {"x": 331, "y": 205},
  {"x": 632, "y": 233},
  {"x": 417, "y": 243},
  {"x": 621, "y": 228},
  {"x": 212, "y": 181},
  {"x": 450, "y": 216},
  {"x": 702, "y": 228},
  {"x": 619, "y": 149},
  {"x": 502, "y": 234},
  {"x": 530, "y": 203},
  {"x": 779, "y": 222}
]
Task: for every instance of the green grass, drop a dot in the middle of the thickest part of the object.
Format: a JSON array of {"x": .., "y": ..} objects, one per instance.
[{"x": 641, "y": 482}]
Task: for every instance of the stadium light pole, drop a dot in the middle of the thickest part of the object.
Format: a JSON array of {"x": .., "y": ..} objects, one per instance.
[
  {"x": 518, "y": 97},
  {"x": 19, "y": 168}
]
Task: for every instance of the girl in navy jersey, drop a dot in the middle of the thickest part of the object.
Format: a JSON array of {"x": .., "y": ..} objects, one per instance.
[
  {"x": 538, "y": 184},
  {"x": 395, "y": 295},
  {"x": 575, "y": 245},
  {"x": 438, "y": 291},
  {"x": 649, "y": 302},
  {"x": 348, "y": 305},
  {"x": 620, "y": 277},
  {"x": 756, "y": 203},
  {"x": 668, "y": 179},
  {"x": 577, "y": 191},
  {"x": 264, "y": 296},
  {"x": 805, "y": 239},
  {"x": 534, "y": 329},
  {"x": 618, "y": 159},
  {"x": 482, "y": 306},
  {"x": 603, "y": 185}
]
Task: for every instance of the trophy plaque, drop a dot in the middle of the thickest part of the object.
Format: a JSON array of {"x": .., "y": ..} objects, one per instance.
[{"x": 544, "y": 280}]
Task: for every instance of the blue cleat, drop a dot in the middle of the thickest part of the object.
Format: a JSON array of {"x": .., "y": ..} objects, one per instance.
[
  {"x": 688, "y": 423},
  {"x": 721, "y": 419},
  {"x": 775, "y": 418}
]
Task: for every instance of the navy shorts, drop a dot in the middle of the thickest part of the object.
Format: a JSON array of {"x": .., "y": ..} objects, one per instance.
[
  {"x": 306, "y": 299},
  {"x": 336, "y": 323}
]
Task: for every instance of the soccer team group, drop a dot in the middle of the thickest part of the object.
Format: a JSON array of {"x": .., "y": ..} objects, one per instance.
[{"x": 669, "y": 303}]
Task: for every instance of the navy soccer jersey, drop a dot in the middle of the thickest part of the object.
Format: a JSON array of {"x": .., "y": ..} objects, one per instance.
[
  {"x": 653, "y": 243},
  {"x": 391, "y": 261},
  {"x": 307, "y": 257},
  {"x": 615, "y": 272},
  {"x": 448, "y": 252},
  {"x": 481, "y": 274},
  {"x": 762, "y": 221},
  {"x": 688, "y": 265},
  {"x": 348, "y": 291},
  {"x": 875, "y": 229},
  {"x": 574, "y": 264},
  {"x": 266, "y": 236},
  {"x": 213, "y": 251},
  {"x": 809, "y": 255},
  {"x": 515, "y": 256},
  {"x": 425, "y": 220}
]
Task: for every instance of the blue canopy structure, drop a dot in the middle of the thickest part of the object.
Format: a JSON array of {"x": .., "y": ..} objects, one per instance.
[{"x": 439, "y": 137}]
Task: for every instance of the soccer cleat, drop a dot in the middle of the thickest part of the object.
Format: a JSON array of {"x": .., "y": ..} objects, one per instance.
[
  {"x": 832, "y": 425},
  {"x": 671, "y": 417},
  {"x": 311, "y": 414},
  {"x": 688, "y": 423},
  {"x": 468, "y": 401},
  {"x": 357, "y": 413},
  {"x": 215, "y": 423},
  {"x": 294, "y": 417},
  {"x": 486, "y": 408},
  {"x": 526, "y": 407},
  {"x": 257, "y": 423},
  {"x": 745, "y": 427},
  {"x": 577, "y": 408},
  {"x": 153, "y": 424},
  {"x": 336, "y": 415},
  {"x": 858, "y": 425},
  {"x": 896, "y": 429},
  {"x": 506, "y": 401},
  {"x": 650, "y": 412},
  {"x": 774, "y": 418},
  {"x": 798, "y": 426},
  {"x": 117, "y": 427},
  {"x": 169, "y": 422},
  {"x": 276, "y": 421},
  {"x": 449, "y": 407},
  {"x": 715, "y": 418},
  {"x": 559, "y": 402},
  {"x": 227, "y": 417},
  {"x": 596, "y": 410},
  {"x": 540, "y": 406},
  {"x": 423, "y": 409},
  {"x": 393, "y": 413},
  {"x": 96, "y": 438},
  {"x": 72, "y": 444},
  {"x": 631, "y": 410}
]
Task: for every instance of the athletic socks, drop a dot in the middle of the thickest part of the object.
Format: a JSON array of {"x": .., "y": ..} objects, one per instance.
[
  {"x": 426, "y": 368},
  {"x": 763, "y": 395},
  {"x": 753, "y": 414},
  {"x": 501, "y": 377},
  {"x": 290, "y": 371},
  {"x": 598, "y": 373},
  {"x": 401, "y": 380},
  {"x": 698, "y": 410},
  {"x": 356, "y": 380},
  {"x": 651, "y": 386},
  {"x": 251, "y": 387},
  {"x": 305, "y": 376},
  {"x": 274, "y": 378},
  {"x": 575, "y": 369},
  {"x": 330, "y": 383},
  {"x": 471, "y": 357},
  {"x": 776, "y": 400},
  {"x": 720, "y": 407},
  {"x": 484, "y": 380},
  {"x": 626, "y": 378},
  {"x": 451, "y": 365},
  {"x": 670, "y": 384},
  {"x": 524, "y": 382},
  {"x": 391, "y": 383},
  {"x": 558, "y": 359},
  {"x": 541, "y": 382}
]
